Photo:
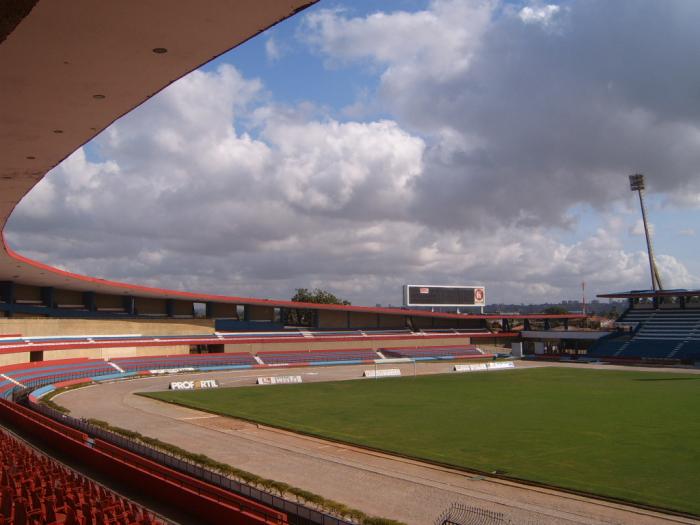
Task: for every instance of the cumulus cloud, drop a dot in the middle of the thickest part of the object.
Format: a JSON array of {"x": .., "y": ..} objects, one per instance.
[
  {"x": 552, "y": 118},
  {"x": 493, "y": 128},
  {"x": 538, "y": 14},
  {"x": 272, "y": 49}
]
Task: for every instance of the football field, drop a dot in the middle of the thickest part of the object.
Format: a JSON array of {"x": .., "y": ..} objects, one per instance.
[{"x": 625, "y": 434}]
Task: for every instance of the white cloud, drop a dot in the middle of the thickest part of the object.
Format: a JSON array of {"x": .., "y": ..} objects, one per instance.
[
  {"x": 538, "y": 14},
  {"x": 637, "y": 229},
  {"x": 272, "y": 49},
  {"x": 494, "y": 132},
  {"x": 687, "y": 232},
  {"x": 442, "y": 38}
]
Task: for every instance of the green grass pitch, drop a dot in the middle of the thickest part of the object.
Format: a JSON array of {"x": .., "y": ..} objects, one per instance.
[{"x": 629, "y": 435}]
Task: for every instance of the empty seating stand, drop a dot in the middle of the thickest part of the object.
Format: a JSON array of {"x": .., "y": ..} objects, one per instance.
[
  {"x": 36, "y": 489},
  {"x": 434, "y": 352},
  {"x": 658, "y": 335},
  {"x": 237, "y": 359},
  {"x": 315, "y": 357}
]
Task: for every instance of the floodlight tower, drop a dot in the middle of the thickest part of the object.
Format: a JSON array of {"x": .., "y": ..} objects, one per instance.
[{"x": 637, "y": 184}]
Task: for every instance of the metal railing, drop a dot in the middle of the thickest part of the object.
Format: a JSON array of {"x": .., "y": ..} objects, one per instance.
[
  {"x": 298, "y": 514},
  {"x": 459, "y": 514}
]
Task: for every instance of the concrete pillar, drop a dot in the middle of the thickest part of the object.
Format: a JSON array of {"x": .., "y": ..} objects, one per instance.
[
  {"x": 128, "y": 302},
  {"x": 7, "y": 291},
  {"x": 89, "y": 301},
  {"x": 47, "y": 297},
  {"x": 516, "y": 349}
]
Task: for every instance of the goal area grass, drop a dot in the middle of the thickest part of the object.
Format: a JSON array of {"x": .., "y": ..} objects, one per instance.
[{"x": 623, "y": 434}]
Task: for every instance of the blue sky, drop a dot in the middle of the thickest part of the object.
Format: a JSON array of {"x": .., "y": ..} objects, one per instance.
[{"x": 362, "y": 145}]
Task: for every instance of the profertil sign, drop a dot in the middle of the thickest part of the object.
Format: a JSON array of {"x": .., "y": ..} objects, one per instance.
[
  {"x": 279, "y": 380},
  {"x": 194, "y": 385}
]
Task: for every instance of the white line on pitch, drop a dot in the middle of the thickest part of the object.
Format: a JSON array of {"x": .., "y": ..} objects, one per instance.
[{"x": 197, "y": 417}]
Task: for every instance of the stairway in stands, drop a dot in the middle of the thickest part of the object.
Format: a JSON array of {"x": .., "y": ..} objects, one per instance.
[{"x": 658, "y": 334}]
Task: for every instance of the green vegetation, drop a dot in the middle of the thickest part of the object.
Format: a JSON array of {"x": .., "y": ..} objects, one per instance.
[
  {"x": 622, "y": 434},
  {"x": 304, "y": 317},
  {"x": 304, "y": 295},
  {"x": 48, "y": 398}
]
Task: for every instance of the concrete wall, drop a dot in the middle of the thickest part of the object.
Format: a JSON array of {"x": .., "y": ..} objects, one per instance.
[
  {"x": 148, "y": 305},
  {"x": 109, "y": 301},
  {"x": 67, "y": 297},
  {"x": 260, "y": 313},
  {"x": 306, "y": 344},
  {"x": 392, "y": 321},
  {"x": 363, "y": 320},
  {"x": 223, "y": 310},
  {"x": 50, "y": 326},
  {"x": 422, "y": 322},
  {"x": 182, "y": 307},
  {"x": 332, "y": 319},
  {"x": 14, "y": 359},
  {"x": 27, "y": 293}
]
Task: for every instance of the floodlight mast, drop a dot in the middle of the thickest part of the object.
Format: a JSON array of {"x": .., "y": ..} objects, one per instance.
[{"x": 637, "y": 184}]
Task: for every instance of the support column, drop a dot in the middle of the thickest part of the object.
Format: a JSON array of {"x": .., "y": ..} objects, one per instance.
[
  {"x": 47, "y": 297},
  {"x": 89, "y": 301},
  {"x": 128, "y": 302},
  {"x": 7, "y": 290}
]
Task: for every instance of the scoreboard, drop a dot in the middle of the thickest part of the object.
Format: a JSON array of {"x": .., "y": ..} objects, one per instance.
[{"x": 453, "y": 296}]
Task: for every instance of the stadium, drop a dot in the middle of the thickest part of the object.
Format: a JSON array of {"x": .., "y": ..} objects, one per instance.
[{"x": 138, "y": 405}]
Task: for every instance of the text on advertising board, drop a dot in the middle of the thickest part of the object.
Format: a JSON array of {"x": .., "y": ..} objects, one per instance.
[{"x": 194, "y": 385}]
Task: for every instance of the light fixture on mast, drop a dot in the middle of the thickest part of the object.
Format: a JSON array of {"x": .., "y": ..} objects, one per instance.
[{"x": 637, "y": 184}]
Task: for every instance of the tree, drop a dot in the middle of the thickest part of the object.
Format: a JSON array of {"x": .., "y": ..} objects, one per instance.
[
  {"x": 318, "y": 296},
  {"x": 304, "y": 316},
  {"x": 556, "y": 310}
]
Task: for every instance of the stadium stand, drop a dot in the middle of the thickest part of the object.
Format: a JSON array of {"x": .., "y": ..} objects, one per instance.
[
  {"x": 435, "y": 352},
  {"x": 237, "y": 359},
  {"x": 656, "y": 333},
  {"x": 37, "y": 489},
  {"x": 318, "y": 357}
]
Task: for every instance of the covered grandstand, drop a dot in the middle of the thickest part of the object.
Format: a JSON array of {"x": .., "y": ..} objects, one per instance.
[
  {"x": 660, "y": 326},
  {"x": 59, "y": 330}
]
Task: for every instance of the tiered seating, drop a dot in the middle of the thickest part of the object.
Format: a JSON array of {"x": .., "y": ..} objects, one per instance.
[
  {"x": 651, "y": 349},
  {"x": 55, "y": 371},
  {"x": 607, "y": 347},
  {"x": 318, "y": 356},
  {"x": 665, "y": 325},
  {"x": 636, "y": 316},
  {"x": 433, "y": 352},
  {"x": 36, "y": 489},
  {"x": 184, "y": 361},
  {"x": 660, "y": 334},
  {"x": 343, "y": 333},
  {"x": 690, "y": 351}
]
